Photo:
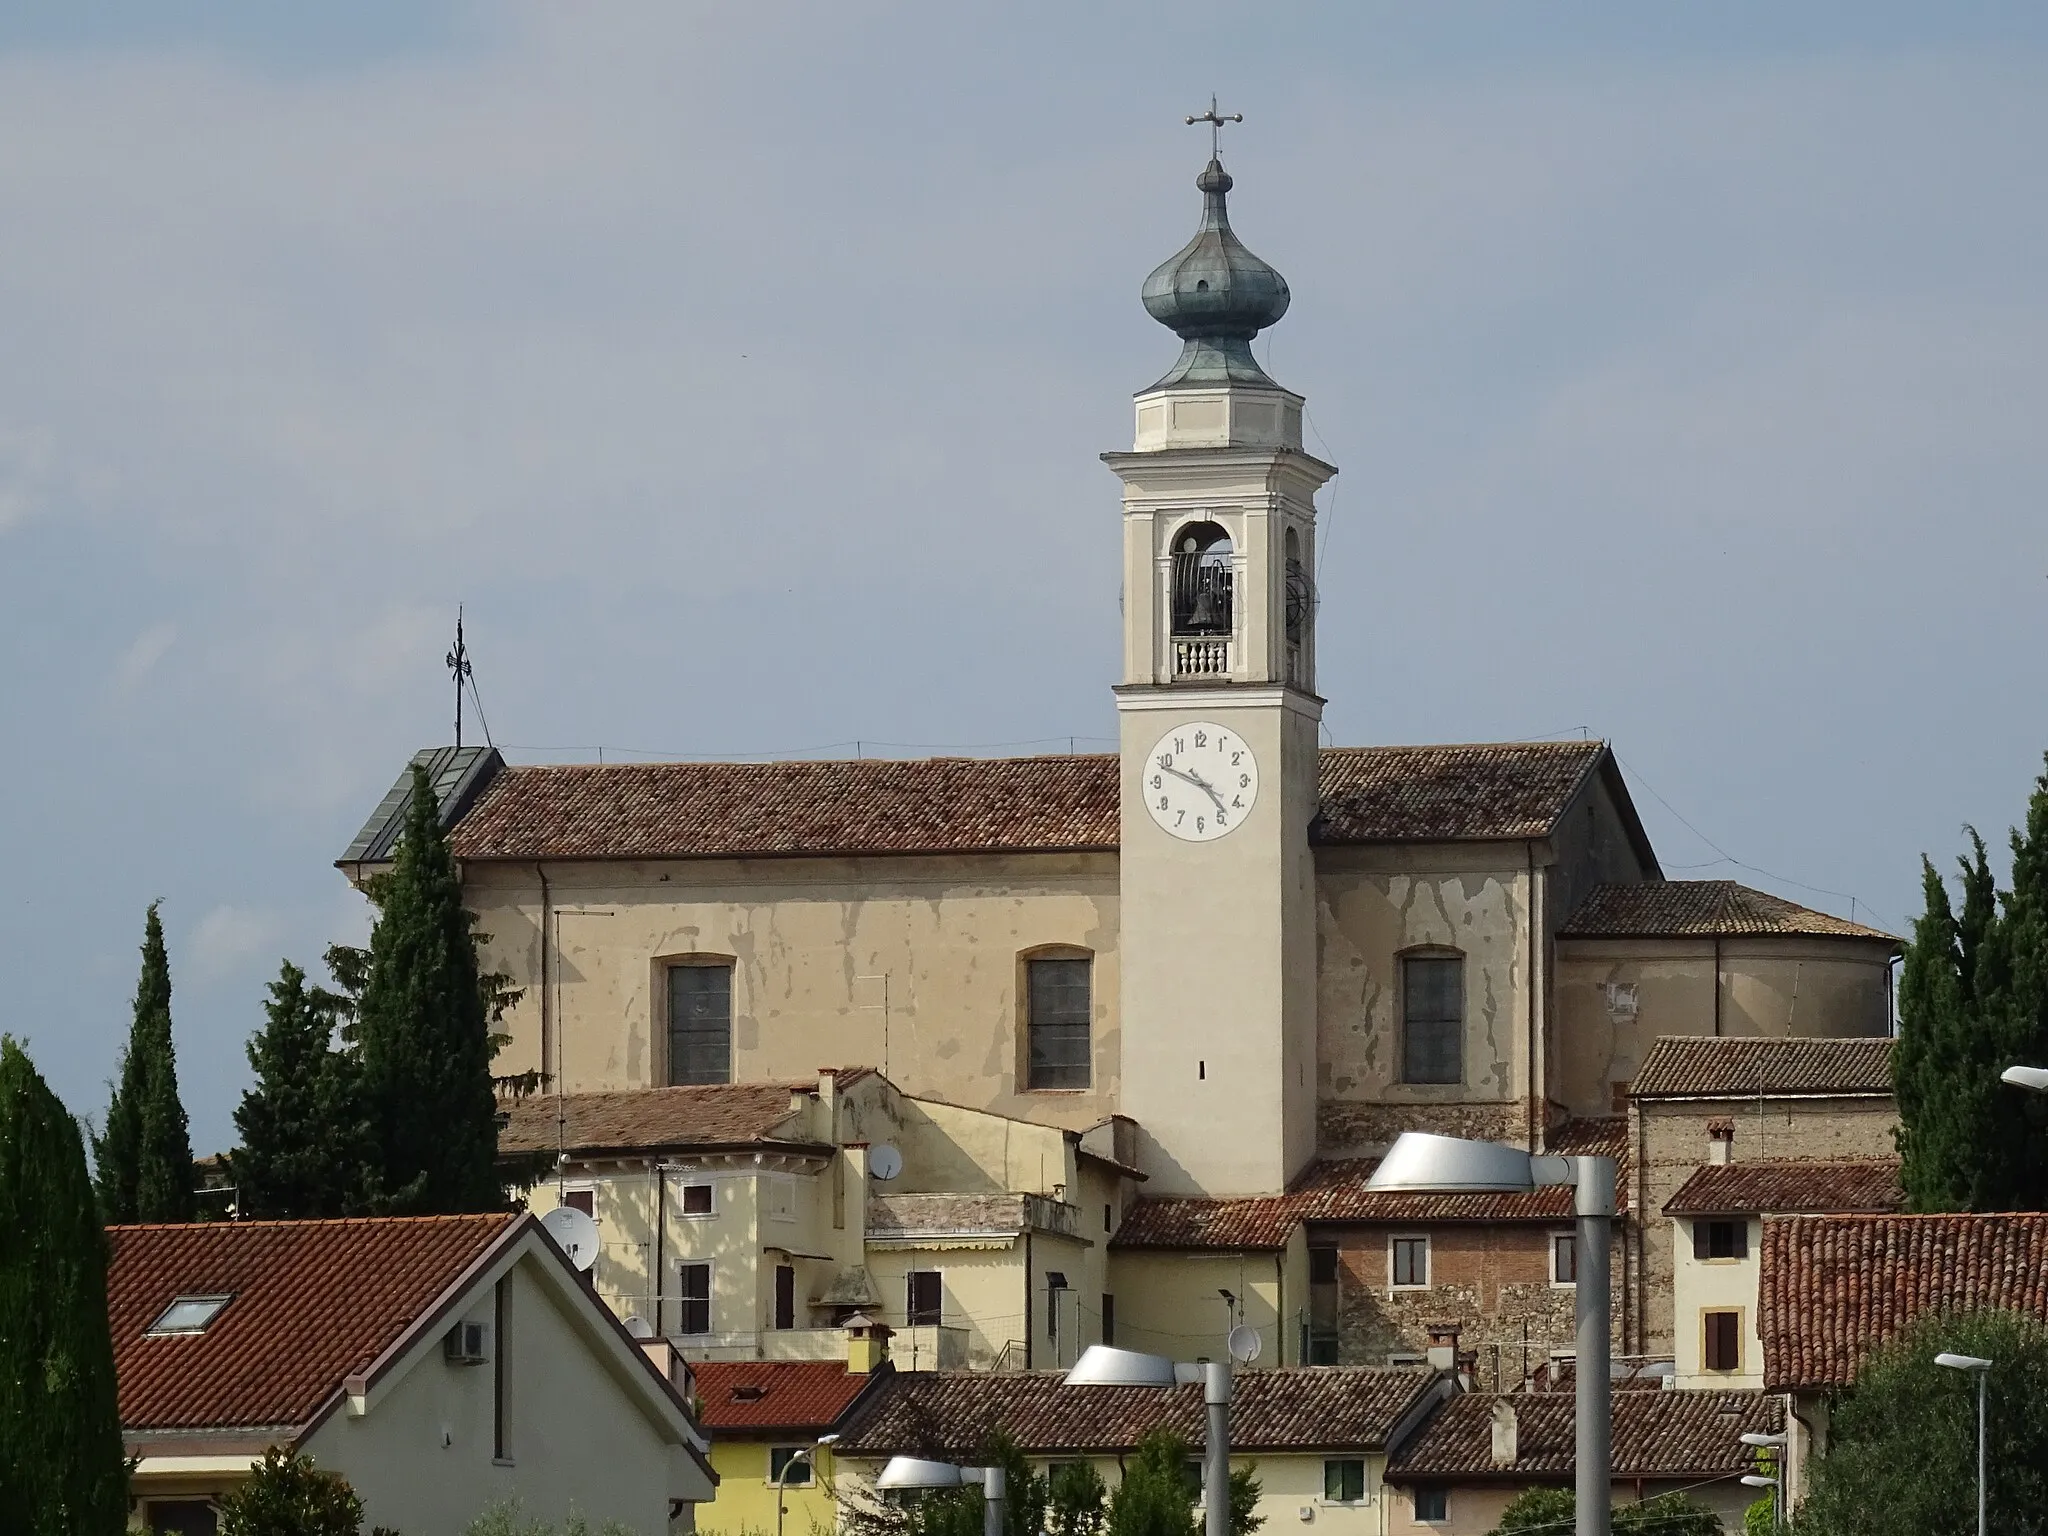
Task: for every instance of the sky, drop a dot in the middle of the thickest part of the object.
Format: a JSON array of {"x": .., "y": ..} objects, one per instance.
[{"x": 742, "y": 370}]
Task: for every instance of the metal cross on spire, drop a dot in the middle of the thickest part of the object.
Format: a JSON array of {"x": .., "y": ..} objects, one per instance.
[
  {"x": 458, "y": 666},
  {"x": 1216, "y": 120}
]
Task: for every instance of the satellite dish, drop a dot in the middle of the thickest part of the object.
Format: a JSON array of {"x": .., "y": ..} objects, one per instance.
[
  {"x": 1244, "y": 1343},
  {"x": 638, "y": 1326},
  {"x": 884, "y": 1161},
  {"x": 574, "y": 1233}
]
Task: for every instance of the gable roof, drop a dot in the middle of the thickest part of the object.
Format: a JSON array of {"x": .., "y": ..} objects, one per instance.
[
  {"x": 645, "y": 1119},
  {"x": 281, "y": 1348},
  {"x": 1833, "y": 1288},
  {"x": 1332, "y": 1407},
  {"x": 1487, "y": 791},
  {"x": 458, "y": 774},
  {"x": 1785, "y": 1187},
  {"x": 1656, "y": 1434},
  {"x": 1683, "y": 909},
  {"x": 1739, "y": 1067},
  {"x": 737, "y": 1396}
]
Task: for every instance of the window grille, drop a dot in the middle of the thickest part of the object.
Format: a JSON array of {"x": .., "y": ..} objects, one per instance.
[
  {"x": 1061, "y": 1012},
  {"x": 1433, "y": 1019},
  {"x": 699, "y": 1024}
]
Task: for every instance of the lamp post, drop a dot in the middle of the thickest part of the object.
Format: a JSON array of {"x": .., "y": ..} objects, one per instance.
[
  {"x": 2035, "y": 1078},
  {"x": 907, "y": 1472},
  {"x": 1419, "y": 1162},
  {"x": 1103, "y": 1365},
  {"x": 1776, "y": 1480},
  {"x": 1983, "y": 1370},
  {"x": 808, "y": 1456}
]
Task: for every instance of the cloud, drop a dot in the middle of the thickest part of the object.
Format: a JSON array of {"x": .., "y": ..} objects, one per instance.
[
  {"x": 228, "y": 938},
  {"x": 139, "y": 660}
]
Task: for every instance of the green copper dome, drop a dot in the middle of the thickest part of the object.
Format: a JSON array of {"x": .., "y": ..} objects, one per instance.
[{"x": 1216, "y": 296}]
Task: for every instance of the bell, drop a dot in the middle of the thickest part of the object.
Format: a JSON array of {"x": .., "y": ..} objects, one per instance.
[{"x": 1212, "y": 609}]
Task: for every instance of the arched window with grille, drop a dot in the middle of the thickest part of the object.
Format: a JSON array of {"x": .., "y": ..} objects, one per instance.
[{"x": 1202, "y": 580}]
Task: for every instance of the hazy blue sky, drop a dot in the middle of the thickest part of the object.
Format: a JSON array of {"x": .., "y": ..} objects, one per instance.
[{"x": 743, "y": 369}]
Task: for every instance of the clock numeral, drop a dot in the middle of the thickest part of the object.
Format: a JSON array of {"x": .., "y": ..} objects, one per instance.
[
  {"x": 1198, "y": 824},
  {"x": 1222, "y": 741},
  {"x": 1244, "y": 781},
  {"x": 1236, "y": 758},
  {"x": 1201, "y": 738},
  {"x": 1158, "y": 782},
  {"x": 1166, "y": 759},
  {"x": 1236, "y": 800},
  {"x": 1165, "y": 804},
  {"x": 1179, "y": 745},
  {"x": 1179, "y": 817},
  {"x": 1219, "y": 819}
]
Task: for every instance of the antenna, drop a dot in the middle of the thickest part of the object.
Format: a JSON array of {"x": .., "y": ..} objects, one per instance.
[
  {"x": 1244, "y": 1344},
  {"x": 884, "y": 1161},
  {"x": 574, "y": 1232},
  {"x": 458, "y": 667}
]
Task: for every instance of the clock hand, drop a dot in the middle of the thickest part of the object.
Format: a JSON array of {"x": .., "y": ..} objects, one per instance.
[{"x": 1202, "y": 784}]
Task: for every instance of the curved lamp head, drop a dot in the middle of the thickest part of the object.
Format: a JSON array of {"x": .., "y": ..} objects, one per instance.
[
  {"x": 1962, "y": 1362},
  {"x": 1762, "y": 1441},
  {"x": 1421, "y": 1161},
  {"x": 2035, "y": 1078},
  {"x": 1751, "y": 1480},
  {"x": 915, "y": 1472},
  {"x": 1102, "y": 1365}
]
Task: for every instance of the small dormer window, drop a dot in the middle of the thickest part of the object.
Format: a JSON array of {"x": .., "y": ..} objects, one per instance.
[{"x": 187, "y": 1314}]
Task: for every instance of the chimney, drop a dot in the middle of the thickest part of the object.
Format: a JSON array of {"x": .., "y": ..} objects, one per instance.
[
  {"x": 1721, "y": 1142},
  {"x": 1506, "y": 1434},
  {"x": 867, "y": 1344},
  {"x": 1443, "y": 1347}
]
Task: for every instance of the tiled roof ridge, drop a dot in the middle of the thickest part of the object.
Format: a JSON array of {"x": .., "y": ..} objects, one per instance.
[
  {"x": 1661, "y": 908},
  {"x": 241, "y": 1224},
  {"x": 1566, "y": 747},
  {"x": 1704, "y": 1066}
]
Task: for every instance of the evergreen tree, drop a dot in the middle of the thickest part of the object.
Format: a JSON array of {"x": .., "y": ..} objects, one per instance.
[
  {"x": 144, "y": 1152},
  {"x": 423, "y": 1032},
  {"x": 61, "y": 1466},
  {"x": 287, "y": 1495},
  {"x": 305, "y": 1146},
  {"x": 1973, "y": 1000},
  {"x": 1154, "y": 1498}
]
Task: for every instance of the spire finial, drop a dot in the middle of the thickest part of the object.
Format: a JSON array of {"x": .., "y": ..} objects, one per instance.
[
  {"x": 1216, "y": 120},
  {"x": 458, "y": 666}
]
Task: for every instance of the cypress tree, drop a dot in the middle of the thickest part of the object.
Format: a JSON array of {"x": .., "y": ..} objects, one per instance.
[
  {"x": 423, "y": 1032},
  {"x": 144, "y": 1152},
  {"x": 61, "y": 1465},
  {"x": 304, "y": 1146}
]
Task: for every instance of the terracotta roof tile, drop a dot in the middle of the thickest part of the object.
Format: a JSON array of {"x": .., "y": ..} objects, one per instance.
[
  {"x": 1833, "y": 1288},
  {"x": 1683, "y": 909},
  {"x": 1656, "y": 1434},
  {"x": 1729, "y": 1066},
  {"x": 639, "y": 1119},
  {"x": 1303, "y": 1409},
  {"x": 312, "y": 1302},
  {"x": 957, "y": 805},
  {"x": 1787, "y": 1187},
  {"x": 757, "y": 1395}
]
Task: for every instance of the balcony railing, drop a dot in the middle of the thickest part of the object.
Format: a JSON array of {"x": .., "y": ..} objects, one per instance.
[{"x": 1201, "y": 658}]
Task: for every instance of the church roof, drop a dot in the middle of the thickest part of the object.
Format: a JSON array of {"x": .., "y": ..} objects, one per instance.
[
  {"x": 1679, "y": 909},
  {"x": 1746, "y": 1066},
  {"x": 643, "y": 1119},
  {"x": 1489, "y": 791}
]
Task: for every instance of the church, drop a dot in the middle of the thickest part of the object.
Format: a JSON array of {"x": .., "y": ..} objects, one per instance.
[{"x": 1006, "y": 1056}]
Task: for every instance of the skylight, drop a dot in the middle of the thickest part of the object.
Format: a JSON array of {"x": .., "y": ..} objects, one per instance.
[{"x": 187, "y": 1314}]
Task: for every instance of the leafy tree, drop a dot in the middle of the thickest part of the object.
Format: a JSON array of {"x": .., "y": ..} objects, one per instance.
[
  {"x": 1973, "y": 999},
  {"x": 507, "y": 1520},
  {"x": 1551, "y": 1511},
  {"x": 1537, "y": 1509},
  {"x": 1244, "y": 1502},
  {"x": 144, "y": 1153},
  {"x": 1761, "y": 1518},
  {"x": 423, "y": 1032},
  {"x": 1075, "y": 1501},
  {"x": 305, "y": 1143},
  {"x": 1153, "y": 1498},
  {"x": 61, "y": 1468},
  {"x": 1902, "y": 1444},
  {"x": 286, "y": 1495}
]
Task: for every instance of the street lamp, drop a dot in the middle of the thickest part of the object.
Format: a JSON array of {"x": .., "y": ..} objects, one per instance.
[
  {"x": 1420, "y": 1163},
  {"x": 808, "y": 1456},
  {"x": 1983, "y": 1370},
  {"x": 908, "y": 1472},
  {"x": 1103, "y": 1365},
  {"x": 2035, "y": 1078},
  {"x": 1776, "y": 1480}
]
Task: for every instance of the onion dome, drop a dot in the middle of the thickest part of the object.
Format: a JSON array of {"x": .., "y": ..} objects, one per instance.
[{"x": 1216, "y": 296}]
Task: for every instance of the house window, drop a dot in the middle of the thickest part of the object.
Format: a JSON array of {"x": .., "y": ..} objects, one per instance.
[
  {"x": 789, "y": 1465},
  {"x": 1344, "y": 1480},
  {"x": 501, "y": 1370},
  {"x": 1322, "y": 1266},
  {"x": 1722, "y": 1340},
  {"x": 584, "y": 1200},
  {"x": 699, "y": 1024},
  {"x": 1322, "y": 1345},
  {"x": 1058, "y": 997},
  {"x": 1433, "y": 1019},
  {"x": 785, "y": 1296},
  {"x": 1055, "y": 1293},
  {"x": 696, "y": 1199},
  {"x": 1410, "y": 1262},
  {"x": 1433, "y": 1505},
  {"x": 1564, "y": 1259},
  {"x": 1720, "y": 1239},
  {"x": 182, "y": 1517},
  {"x": 922, "y": 1304},
  {"x": 1108, "y": 1318},
  {"x": 187, "y": 1314},
  {"x": 693, "y": 1287}
]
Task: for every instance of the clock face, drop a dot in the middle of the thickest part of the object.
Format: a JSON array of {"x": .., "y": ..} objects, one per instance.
[{"x": 1200, "y": 781}]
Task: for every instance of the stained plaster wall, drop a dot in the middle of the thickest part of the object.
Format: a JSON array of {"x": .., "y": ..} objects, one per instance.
[
  {"x": 811, "y": 940},
  {"x": 1719, "y": 1285},
  {"x": 1668, "y": 1140},
  {"x": 1373, "y": 905},
  {"x": 1614, "y": 997},
  {"x": 1168, "y": 1301}
]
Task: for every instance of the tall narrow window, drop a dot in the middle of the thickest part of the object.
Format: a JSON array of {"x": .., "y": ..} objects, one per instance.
[
  {"x": 1564, "y": 1258},
  {"x": 501, "y": 1370},
  {"x": 699, "y": 1024},
  {"x": 1055, "y": 1293},
  {"x": 922, "y": 1305},
  {"x": 785, "y": 1296},
  {"x": 693, "y": 1285},
  {"x": 1433, "y": 1019},
  {"x": 1058, "y": 997},
  {"x": 1108, "y": 1318},
  {"x": 1722, "y": 1340},
  {"x": 1410, "y": 1261}
]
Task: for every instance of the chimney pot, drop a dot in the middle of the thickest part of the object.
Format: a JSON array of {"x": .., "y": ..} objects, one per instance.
[{"x": 1506, "y": 1434}]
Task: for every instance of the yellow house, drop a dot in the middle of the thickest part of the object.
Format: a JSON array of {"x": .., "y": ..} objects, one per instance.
[
  {"x": 441, "y": 1364},
  {"x": 1317, "y": 1439},
  {"x": 772, "y": 1425}
]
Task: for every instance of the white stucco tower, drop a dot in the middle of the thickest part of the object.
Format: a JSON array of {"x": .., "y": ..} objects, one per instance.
[{"x": 1219, "y": 723}]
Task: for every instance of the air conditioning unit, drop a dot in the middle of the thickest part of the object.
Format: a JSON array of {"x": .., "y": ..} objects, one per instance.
[{"x": 464, "y": 1345}]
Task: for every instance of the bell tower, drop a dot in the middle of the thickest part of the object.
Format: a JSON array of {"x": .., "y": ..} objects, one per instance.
[{"x": 1218, "y": 721}]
